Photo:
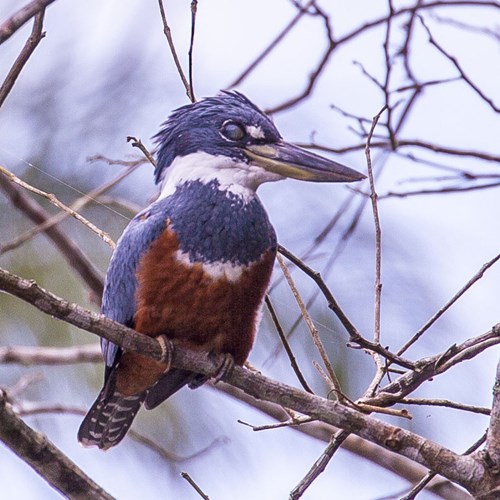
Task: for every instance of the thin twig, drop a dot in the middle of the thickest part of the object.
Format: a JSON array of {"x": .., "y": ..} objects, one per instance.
[
  {"x": 310, "y": 325},
  {"x": 76, "y": 206},
  {"x": 447, "y": 404},
  {"x": 137, "y": 143},
  {"x": 378, "y": 231},
  {"x": 443, "y": 309},
  {"x": 462, "y": 73},
  {"x": 191, "y": 481},
  {"x": 194, "y": 10},
  {"x": 26, "y": 52},
  {"x": 286, "y": 345},
  {"x": 168, "y": 34},
  {"x": 52, "y": 199}
]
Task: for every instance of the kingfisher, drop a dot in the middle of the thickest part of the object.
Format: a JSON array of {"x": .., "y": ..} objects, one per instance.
[{"x": 194, "y": 266}]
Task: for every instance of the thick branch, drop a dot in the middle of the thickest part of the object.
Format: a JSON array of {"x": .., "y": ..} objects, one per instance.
[
  {"x": 493, "y": 437},
  {"x": 36, "y": 450},
  {"x": 449, "y": 464}
]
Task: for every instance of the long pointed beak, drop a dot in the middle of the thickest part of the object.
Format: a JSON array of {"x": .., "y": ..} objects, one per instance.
[{"x": 291, "y": 161}]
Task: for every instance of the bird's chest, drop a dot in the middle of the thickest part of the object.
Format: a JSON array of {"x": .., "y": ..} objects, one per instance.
[{"x": 203, "y": 280}]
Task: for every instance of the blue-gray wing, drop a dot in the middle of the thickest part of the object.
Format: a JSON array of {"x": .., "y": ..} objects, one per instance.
[{"x": 118, "y": 301}]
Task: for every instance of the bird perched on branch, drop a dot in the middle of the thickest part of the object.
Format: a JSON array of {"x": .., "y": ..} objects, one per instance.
[{"x": 194, "y": 266}]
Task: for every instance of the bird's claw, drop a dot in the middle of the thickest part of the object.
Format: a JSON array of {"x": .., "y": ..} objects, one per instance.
[
  {"x": 225, "y": 367},
  {"x": 167, "y": 349}
]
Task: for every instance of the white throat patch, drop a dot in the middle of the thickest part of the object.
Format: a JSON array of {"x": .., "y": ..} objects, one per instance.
[{"x": 233, "y": 175}]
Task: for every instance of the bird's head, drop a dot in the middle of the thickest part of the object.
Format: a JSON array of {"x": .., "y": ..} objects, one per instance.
[{"x": 229, "y": 139}]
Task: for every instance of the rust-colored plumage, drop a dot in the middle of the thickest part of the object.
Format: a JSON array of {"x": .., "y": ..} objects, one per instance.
[{"x": 192, "y": 308}]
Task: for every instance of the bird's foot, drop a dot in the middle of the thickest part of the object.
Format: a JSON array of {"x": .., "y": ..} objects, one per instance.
[
  {"x": 226, "y": 366},
  {"x": 167, "y": 349}
]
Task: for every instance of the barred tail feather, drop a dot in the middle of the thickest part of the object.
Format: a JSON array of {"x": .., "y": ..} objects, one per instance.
[{"x": 109, "y": 418}]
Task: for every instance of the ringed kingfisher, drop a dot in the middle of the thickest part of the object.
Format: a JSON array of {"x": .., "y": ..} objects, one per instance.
[{"x": 194, "y": 266}]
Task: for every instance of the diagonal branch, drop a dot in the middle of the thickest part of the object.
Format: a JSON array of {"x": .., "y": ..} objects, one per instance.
[
  {"x": 36, "y": 450},
  {"x": 467, "y": 471},
  {"x": 28, "y": 49},
  {"x": 22, "y": 16},
  {"x": 70, "y": 250}
]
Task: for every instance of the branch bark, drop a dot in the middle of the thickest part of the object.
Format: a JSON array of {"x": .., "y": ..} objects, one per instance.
[
  {"x": 22, "y": 16},
  {"x": 47, "y": 460},
  {"x": 470, "y": 472}
]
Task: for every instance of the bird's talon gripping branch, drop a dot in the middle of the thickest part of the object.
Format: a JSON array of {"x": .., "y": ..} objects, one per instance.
[
  {"x": 167, "y": 349},
  {"x": 225, "y": 368}
]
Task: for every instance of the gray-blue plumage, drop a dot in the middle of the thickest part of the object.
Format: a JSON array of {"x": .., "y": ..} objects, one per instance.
[
  {"x": 118, "y": 300},
  {"x": 219, "y": 226},
  {"x": 211, "y": 226}
]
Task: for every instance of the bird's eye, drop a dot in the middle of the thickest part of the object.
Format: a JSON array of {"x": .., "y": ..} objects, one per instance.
[{"x": 232, "y": 131}]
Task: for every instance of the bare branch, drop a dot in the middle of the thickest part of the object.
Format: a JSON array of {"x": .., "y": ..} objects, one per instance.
[
  {"x": 47, "y": 460},
  {"x": 52, "y": 198},
  {"x": 70, "y": 250},
  {"x": 50, "y": 355},
  {"x": 445, "y": 403},
  {"x": 28, "y": 49},
  {"x": 22, "y": 16},
  {"x": 168, "y": 35},
  {"x": 443, "y": 309},
  {"x": 378, "y": 231},
  {"x": 467, "y": 471},
  {"x": 462, "y": 73},
  {"x": 493, "y": 436}
]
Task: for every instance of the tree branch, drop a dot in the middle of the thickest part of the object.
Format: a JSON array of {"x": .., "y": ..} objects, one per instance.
[
  {"x": 70, "y": 250},
  {"x": 467, "y": 471},
  {"x": 23, "y": 15},
  {"x": 28, "y": 49},
  {"x": 50, "y": 355},
  {"x": 47, "y": 460}
]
